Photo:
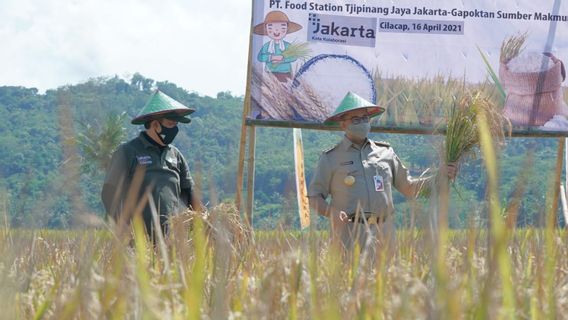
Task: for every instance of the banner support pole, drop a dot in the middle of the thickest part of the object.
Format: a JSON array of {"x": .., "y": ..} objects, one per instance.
[
  {"x": 250, "y": 174},
  {"x": 246, "y": 111},
  {"x": 240, "y": 168},
  {"x": 557, "y": 179}
]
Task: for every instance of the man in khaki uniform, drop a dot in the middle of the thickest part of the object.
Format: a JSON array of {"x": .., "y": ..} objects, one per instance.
[{"x": 359, "y": 175}]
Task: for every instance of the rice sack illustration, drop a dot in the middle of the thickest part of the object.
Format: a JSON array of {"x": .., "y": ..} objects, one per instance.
[{"x": 533, "y": 84}]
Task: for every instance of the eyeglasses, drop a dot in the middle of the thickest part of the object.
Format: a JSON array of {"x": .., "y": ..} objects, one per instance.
[
  {"x": 357, "y": 120},
  {"x": 170, "y": 123}
]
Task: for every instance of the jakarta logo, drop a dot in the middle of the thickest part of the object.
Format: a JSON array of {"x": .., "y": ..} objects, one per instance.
[{"x": 354, "y": 31}]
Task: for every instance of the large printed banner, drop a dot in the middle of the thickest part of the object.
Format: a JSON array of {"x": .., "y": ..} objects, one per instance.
[{"x": 415, "y": 58}]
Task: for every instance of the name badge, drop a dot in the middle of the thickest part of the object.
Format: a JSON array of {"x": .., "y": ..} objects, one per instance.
[
  {"x": 144, "y": 160},
  {"x": 379, "y": 185}
]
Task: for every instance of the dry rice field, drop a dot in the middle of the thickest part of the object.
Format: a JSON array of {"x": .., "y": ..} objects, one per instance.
[{"x": 213, "y": 269}]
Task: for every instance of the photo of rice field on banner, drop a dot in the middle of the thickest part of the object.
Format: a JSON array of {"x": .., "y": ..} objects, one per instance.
[{"x": 304, "y": 61}]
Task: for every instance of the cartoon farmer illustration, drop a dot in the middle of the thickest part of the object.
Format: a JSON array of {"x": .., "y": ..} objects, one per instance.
[{"x": 276, "y": 26}]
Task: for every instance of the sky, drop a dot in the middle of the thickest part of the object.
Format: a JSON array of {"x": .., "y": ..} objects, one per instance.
[{"x": 200, "y": 45}]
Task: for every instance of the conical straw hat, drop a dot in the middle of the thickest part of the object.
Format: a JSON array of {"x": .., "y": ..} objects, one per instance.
[
  {"x": 160, "y": 106},
  {"x": 273, "y": 17},
  {"x": 354, "y": 102}
]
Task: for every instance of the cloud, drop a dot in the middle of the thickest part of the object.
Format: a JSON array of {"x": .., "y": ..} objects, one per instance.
[{"x": 199, "y": 45}]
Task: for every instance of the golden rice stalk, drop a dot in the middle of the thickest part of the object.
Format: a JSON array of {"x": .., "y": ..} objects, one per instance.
[
  {"x": 270, "y": 95},
  {"x": 277, "y": 100},
  {"x": 225, "y": 215},
  {"x": 233, "y": 227},
  {"x": 462, "y": 127},
  {"x": 308, "y": 103},
  {"x": 298, "y": 50},
  {"x": 512, "y": 47}
]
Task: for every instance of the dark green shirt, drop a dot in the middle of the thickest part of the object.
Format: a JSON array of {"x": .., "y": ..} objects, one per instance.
[{"x": 165, "y": 174}]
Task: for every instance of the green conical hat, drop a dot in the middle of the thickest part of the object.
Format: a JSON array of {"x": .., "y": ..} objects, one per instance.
[
  {"x": 160, "y": 106},
  {"x": 353, "y": 102}
]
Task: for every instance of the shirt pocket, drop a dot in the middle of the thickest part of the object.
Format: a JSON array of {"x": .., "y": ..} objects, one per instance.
[
  {"x": 172, "y": 163},
  {"x": 348, "y": 186}
]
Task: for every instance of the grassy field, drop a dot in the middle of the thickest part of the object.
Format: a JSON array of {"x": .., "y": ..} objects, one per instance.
[{"x": 225, "y": 273}]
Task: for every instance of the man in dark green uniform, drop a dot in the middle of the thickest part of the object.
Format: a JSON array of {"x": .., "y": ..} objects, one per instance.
[
  {"x": 359, "y": 175},
  {"x": 148, "y": 171}
]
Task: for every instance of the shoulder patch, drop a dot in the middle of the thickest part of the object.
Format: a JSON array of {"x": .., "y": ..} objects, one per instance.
[{"x": 382, "y": 144}]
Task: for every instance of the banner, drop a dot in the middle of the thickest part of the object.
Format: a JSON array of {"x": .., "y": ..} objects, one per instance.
[
  {"x": 301, "y": 189},
  {"x": 415, "y": 58}
]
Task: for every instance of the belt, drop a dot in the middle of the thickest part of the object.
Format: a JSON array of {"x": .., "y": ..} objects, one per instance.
[{"x": 370, "y": 218}]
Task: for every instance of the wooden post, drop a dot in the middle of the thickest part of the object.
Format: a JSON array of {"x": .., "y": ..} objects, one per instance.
[
  {"x": 564, "y": 204},
  {"x": 246, "y": 112},
  {"x": 558, "y": 178},
  {"x": 250, "y": 173},
  {"x": 240, "y": 168}
]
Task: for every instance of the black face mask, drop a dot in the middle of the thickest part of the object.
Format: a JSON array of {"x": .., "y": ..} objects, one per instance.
[{"x": 167, "y": 135}]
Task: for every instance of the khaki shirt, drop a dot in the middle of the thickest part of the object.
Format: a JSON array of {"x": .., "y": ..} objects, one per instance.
[{"x": 375, "y": 168}]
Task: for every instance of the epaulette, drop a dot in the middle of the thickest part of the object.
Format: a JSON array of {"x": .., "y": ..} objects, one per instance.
[
  {"x": 382, "y": 144},
  {"x": 330, "y": 149}
]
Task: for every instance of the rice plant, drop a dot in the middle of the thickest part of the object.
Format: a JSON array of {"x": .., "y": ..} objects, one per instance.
[
  {"x": 298, "y": 50},
  {"x": 512, "y": 47},
  {"x": 91, "y": 274},
  {"x": 422, "y": 102},
  {"x": 462, "y": 127}
]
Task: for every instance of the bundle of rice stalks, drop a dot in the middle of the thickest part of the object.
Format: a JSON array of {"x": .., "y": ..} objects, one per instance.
[
  {"x": 298, "y": 50},
  {"x": 276, "y": 100},
  {"x": 221, "y": 221},
  {"x": 226, "y": 218},
  {"x": 462, "y": 132},
  {"x": 185, "y": 221},
  {"x": 512, "y": 47},
  {"x": 308, "y": 103},
  {"x": 270, "y": 96}
]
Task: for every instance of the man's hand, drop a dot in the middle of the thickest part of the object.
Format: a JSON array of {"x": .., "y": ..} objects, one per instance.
[
  {"x": 338, "y": 219},
  {"x": 338, "y": 222},
  {"x": 277, "y": 59},
  {"x": 451, "y": 170}
]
